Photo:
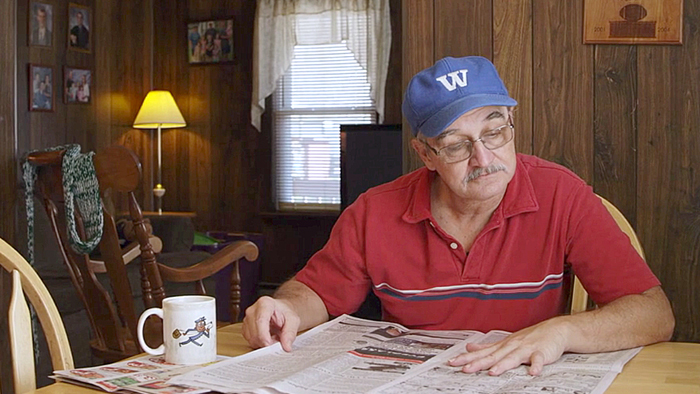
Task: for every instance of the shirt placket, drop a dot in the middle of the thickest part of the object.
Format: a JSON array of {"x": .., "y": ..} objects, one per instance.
[{"x": 456, "y": 250}]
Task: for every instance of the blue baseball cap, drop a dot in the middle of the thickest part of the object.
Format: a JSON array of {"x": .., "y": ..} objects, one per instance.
[{"x": 438, "y": 95}]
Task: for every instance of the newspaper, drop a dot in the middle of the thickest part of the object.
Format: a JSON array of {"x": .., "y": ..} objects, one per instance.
[
  {"x": 147, "y": 374},
  {"x": 351, "y": 355}
]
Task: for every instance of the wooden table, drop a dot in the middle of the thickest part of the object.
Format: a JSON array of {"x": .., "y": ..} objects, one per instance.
[{"x": 670, "y": 367}]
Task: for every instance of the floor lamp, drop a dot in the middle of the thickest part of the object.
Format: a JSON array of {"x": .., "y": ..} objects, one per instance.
[{"x": 159, "y": 111}]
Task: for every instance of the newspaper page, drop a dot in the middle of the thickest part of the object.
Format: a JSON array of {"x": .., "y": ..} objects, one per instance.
[
  {"x": 572, "y": 374},
  {"x": 147, "y": 374},
  {"x": 345, "y": 355},
  {"x": 350, "y": 355}
]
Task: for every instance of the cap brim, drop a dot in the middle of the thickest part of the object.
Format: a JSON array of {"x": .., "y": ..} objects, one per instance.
[{"x": 446, "y": 116}]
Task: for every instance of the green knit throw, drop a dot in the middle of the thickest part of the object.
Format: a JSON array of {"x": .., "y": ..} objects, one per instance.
[{"x": 81, "y": 189}]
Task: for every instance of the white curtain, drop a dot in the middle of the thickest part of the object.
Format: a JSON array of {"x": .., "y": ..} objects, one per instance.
[{"x": 282, "y": 24}]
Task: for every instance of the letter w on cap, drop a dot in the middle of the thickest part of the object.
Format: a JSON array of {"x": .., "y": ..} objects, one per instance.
[{"x": 455, "y": 80}]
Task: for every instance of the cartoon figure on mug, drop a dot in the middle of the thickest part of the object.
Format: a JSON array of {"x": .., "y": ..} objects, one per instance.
[{"x": 201, "y": 327}]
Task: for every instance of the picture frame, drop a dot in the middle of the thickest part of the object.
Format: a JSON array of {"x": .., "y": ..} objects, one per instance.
[
  {"x": 639, "y": 22},
  {"x": 79, "y": 28},
  {"x": 40, "y": 24},
  {"x": 41, "y": 88},
  {"x": 77, "y": 85},
  {"x": 211, "y": 41}
]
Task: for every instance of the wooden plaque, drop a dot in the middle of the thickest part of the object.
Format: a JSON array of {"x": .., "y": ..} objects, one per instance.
[{"x": 633, "y": 21}]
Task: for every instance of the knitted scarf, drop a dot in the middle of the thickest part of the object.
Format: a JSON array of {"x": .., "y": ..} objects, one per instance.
[{"x": 80, "y": 187}]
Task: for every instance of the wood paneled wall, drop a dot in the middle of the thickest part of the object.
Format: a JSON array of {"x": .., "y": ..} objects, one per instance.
[
  {"x": 218, "y": 166},
  {"x": 121, "y": 66},
  {"x": 625, "y": 118},
  {"x": 8, "y": 166}
]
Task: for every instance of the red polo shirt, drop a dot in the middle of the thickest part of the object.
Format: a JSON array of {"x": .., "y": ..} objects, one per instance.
[{"x": 512, "y": 276}]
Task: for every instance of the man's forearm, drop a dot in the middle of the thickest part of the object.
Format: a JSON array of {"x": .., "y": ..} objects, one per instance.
[
  {"x": 304, "y": 301},
  {"x": 627, "y": 322}
]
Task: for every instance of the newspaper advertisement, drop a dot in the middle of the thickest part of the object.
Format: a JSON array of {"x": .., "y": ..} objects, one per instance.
[
  {"x": 147, "y": 374},
  {"x": 350, "y": 355}
]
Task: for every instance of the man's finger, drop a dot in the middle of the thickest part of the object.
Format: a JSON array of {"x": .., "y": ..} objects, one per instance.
[
  {"x": 287, "y": 335},
  {"x": 261, "y": 327},
  {"x": 475, "y": 347},
  {"x": 476, "y": 352},
  {"x": 536, "y": 363},
  {"x": 509, "y": 361}
]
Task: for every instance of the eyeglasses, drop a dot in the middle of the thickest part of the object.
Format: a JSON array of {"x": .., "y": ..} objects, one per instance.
[{"x": 463, "y": 150}]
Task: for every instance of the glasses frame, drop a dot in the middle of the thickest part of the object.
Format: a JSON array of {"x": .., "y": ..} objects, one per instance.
[{"x": 480, "y": 139}]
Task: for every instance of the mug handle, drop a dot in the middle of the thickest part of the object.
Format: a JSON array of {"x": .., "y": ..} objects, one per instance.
[{"x": 139, "y": 331}]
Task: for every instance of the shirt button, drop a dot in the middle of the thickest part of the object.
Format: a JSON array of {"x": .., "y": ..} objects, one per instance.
[{"x": 453, "y": 245}]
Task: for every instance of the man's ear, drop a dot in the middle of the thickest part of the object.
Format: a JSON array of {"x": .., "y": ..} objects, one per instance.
[{"x": 423, "y": 153}]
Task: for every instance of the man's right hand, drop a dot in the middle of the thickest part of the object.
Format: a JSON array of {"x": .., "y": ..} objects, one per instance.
[{"x": 270, "y": 320}]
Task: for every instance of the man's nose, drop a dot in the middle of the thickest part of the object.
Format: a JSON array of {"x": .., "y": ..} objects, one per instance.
[{"x": 481, "y": 156}]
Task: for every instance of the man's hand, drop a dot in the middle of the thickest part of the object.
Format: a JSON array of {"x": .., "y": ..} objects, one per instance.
[
  {"x": 268, "y": 321},
  {"x": 627, "y": 322},
  {"x": 538, "y": 346},
  {"x": 294, "y": 307}
]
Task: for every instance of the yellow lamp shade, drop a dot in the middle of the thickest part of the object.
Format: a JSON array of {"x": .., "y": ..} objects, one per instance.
[{"x": 159, "y": 109}]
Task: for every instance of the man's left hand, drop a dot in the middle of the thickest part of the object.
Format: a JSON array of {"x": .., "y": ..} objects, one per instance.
[{"x": 538, "y": 346}]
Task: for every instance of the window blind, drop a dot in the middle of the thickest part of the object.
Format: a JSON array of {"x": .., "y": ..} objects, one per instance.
[{"x": 323, "y": 88}]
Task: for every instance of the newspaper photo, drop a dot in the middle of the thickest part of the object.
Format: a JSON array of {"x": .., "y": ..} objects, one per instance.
[
  {"x": 147, "y": 374},
  {"x": 351, "y": 355}
]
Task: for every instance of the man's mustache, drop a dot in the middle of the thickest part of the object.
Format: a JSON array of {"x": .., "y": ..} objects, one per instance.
[{"x": 485, "y": 171}]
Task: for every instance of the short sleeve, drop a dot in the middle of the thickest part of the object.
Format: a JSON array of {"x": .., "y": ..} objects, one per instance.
[
  {"x": 338, "y": 273},
  {"x": 601, "y": 254}
]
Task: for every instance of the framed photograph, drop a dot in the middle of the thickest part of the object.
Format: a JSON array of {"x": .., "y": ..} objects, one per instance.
[
  {"x": 79, "y": 26},
  {"x": 40, "y": 24},
  {"x": 41, "y": 88},
  {"x": 210, "y": 41},
  {"x": 77, "y": 83}
]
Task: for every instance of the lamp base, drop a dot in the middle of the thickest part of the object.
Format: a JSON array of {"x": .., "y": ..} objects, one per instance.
[{"x": 158, "y": 192}]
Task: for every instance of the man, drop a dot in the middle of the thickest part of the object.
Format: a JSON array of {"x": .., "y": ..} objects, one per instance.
[
  {"x": 48, "y": 89},
  {"x": 477, "y": 239},
  {"x": 41, "y": 35},
  {"x": 41, "y": 100},
  {"x": 71, "y": 87},
  {"x": 79, "y": 34}
]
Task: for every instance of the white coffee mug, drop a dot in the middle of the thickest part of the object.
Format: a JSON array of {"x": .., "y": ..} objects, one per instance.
[{"x": 189, "y": 329}]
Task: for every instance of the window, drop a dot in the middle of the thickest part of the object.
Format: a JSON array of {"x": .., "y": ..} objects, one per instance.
[{"x": 323, "y": 88}]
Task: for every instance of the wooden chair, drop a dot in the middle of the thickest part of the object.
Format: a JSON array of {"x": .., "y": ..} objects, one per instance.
[
  {"x": 113, "y": 320},
  {"x": 579, "y": 297},
  {"x": 20, "y": 328}
]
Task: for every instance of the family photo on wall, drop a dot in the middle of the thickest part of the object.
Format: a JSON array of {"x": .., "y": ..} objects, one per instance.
[
  {"x": 77, "y": 83},
  {"x": 210, "y": 41},
  {"x": 40, "y": 88}
]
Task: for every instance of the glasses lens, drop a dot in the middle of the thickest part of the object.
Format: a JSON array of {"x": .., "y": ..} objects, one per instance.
[
  {"x": 496, "y": 138},
  {"x": 457, "y": 152}
]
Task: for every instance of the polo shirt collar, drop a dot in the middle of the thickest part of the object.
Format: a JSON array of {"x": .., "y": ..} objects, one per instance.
[{"x": 519, "y": 198}]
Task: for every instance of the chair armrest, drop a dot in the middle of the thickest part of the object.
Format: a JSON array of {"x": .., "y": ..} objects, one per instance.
[
  {"x": 129, "y": 253},
  {"x": 206, "y": 268}
]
